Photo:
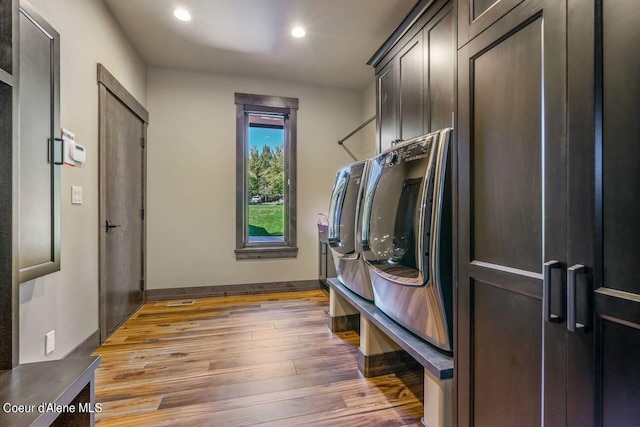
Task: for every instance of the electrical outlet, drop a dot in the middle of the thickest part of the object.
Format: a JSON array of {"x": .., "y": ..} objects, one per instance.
[{"x": 50, "y": 342}]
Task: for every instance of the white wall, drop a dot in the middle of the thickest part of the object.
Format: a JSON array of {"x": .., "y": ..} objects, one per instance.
[
  {"x": 368, "y": 106},
  {"x": 363, "y": 144},
  {"x": 191, "y": 176},
  {"x": 67, "y": 301}
]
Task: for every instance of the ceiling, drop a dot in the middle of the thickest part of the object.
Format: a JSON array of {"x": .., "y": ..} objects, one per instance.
[{"x": 252, "y": 37}]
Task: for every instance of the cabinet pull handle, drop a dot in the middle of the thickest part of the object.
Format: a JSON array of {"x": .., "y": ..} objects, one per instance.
[
  {"x": 546, "y": 292},
  {"x": 575, "y": 324}
]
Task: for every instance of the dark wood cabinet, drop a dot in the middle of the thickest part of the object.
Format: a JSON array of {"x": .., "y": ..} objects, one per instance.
[
  {"x": 604, "y": 187},
  {"x": 475, "y": 16},
  {"x": 326, "y": 266},
  {"x": 439, "y": 73},
  {"x": 410, "y": 63},
  {"x": 512, "y": 212},
  {"x": 548, "y": 301},
  {"x": 9, "y": 61},
  {"x": 387, "y": 108},
  {"x": 415, "y": 77}
]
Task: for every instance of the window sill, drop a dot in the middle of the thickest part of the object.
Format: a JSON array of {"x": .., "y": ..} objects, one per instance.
[{"x": 267, "y": 252}]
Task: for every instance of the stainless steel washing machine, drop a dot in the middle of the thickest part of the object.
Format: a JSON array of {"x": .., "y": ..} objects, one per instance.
[
  {"x": 407, "y": 235},
  {"x": 345, "y": 224}
]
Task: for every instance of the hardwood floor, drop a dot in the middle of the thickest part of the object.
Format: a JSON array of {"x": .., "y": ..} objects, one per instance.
[{"x": 266, "y": 360}]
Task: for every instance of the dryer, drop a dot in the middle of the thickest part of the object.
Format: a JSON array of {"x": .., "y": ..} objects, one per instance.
[
  {"x": 407, "y": 236},
  {"x": 345, "y": 228}
]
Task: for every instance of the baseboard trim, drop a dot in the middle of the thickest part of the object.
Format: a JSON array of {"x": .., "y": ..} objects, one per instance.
[
  {"x": 86, "y": 347},
  {"x": 224, "y": 290},
  {"x": 349, "y": 322},
  {"x": 386, "y": 363}
]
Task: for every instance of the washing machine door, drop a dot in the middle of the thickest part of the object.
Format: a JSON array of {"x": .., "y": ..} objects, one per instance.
[
  {"x": 397, "y": 208},
  {"x": 343, "y": 210}
]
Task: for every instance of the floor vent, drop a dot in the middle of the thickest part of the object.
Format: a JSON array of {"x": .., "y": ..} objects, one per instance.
[{"x": 180, "y": 303}]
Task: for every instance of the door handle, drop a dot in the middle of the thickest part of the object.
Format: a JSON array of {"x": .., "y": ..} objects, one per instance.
[
  {"x": 547, "y": 290},
  {"x": 51, "y": 151},
  {"x": 578, "y": 318},
  {"x": 108, "y": 225}
]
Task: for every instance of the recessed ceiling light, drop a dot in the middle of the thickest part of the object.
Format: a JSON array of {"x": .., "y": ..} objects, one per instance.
[
  {"x": 182, "y": 14},
  {"x": 298, "y": 32}
]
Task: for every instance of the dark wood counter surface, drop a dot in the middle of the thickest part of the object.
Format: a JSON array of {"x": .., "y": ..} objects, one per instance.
[{"x": 38, "y": 389}]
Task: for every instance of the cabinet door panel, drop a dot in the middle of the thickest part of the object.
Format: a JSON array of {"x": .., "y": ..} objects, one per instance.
[
  {"x": 512, "y": 211},
  {"x": 388, "y": 99},
  {"x": 620, "y": 376},
  {"x": 411, "y": 90},
  {"x": 39, "y": 237},
  {"x": 475, "y": 16},
  {"x": 605, "y": 183},
  {"x": 497, "y": 347},
  {"x": 480, "y": 6},
  {"x": 440, "y": 71},
  {"x": 507, "y": 152},
  {"x": 620, "y": 171}
]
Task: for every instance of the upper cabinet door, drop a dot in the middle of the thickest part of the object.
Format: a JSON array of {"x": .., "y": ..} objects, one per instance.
[
  {"x": 388, "y": 82},
  {"x": 439, "y": 70},
  {"x": 410, "y": 62},
  {"x": 604, "y": 225},
  {"x": 475, "y": 16},
  {"x": 40, "y": 149}
]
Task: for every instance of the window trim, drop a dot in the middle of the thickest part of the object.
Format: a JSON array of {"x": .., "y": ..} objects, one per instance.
[{"x": 269, "y": 104}]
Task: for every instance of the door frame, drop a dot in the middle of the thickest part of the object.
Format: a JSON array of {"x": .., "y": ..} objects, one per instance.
[{"x": 109, "y": 85}]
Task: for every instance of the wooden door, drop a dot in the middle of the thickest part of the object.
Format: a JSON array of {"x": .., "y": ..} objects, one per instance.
[
  {"x": 511, "y": 212},
  {"x": 604, "y": 225},
  {"x": 122, "y": 162}
]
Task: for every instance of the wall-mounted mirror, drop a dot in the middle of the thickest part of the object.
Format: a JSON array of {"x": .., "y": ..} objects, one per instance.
[{"x": 40, "y": 148}]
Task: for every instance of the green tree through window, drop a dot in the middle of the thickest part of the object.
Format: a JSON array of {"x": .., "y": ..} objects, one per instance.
[
  {"x": 265, "y": 167},
  {"x": 266, "y": 137},
  {"x": 266, "y": 172}
]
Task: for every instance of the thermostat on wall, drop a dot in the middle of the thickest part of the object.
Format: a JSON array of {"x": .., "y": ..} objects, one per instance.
[
  {"x": 78, "y": 153},
  {"x": 68, "y": 139},
  {"x": 73, "y": 152}
]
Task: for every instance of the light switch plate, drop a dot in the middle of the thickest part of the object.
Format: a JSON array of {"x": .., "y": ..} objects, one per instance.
[
  {"x": 76, "y": 195},
  {"x": 50, "y": 342}
]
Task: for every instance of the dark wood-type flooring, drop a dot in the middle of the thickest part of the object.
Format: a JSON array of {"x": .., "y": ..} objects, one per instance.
[{"x": 266, "y": 360}]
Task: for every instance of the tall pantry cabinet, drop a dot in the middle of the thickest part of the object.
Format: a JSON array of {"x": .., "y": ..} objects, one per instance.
[
  {"x": 547, "y": 177},
  {"x": 511, "y": 211},
  {"x": 548, "y": 309}
]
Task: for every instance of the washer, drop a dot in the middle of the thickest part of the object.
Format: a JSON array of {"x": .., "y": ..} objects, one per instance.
[
  {"x": 407, "y": 236},
  {"x": 345, "y": 225}
]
